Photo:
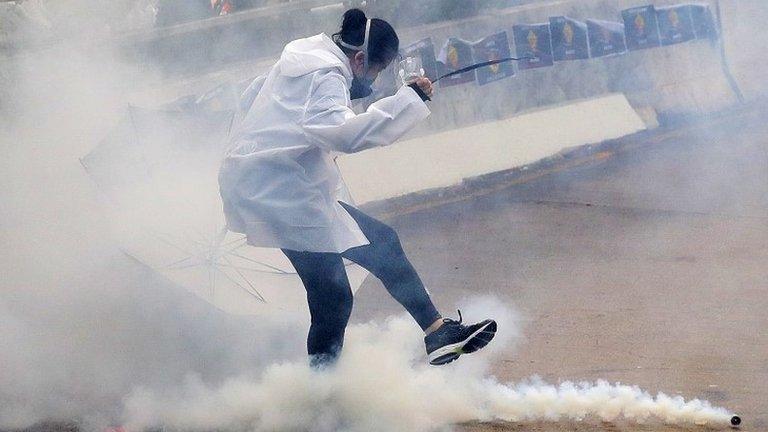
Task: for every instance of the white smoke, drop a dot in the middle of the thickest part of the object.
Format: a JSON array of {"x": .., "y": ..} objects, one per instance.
[
  {"x": 87, "y": 337},
  {"x": 382, "y": 383}
]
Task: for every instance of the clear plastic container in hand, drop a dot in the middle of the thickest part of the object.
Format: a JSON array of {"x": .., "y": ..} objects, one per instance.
[{"x": 409, "y": 70}]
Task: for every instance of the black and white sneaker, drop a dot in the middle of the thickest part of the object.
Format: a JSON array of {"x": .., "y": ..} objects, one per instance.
[{"x": 453, "y": 339}]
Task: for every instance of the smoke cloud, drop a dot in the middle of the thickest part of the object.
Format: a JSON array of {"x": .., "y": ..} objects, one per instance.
[
  {"x": 88, "y": 335},
  {"x": 398, "y": 391}
]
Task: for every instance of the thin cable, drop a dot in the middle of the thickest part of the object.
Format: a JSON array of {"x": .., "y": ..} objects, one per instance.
[{"x": 480, "y": 65}]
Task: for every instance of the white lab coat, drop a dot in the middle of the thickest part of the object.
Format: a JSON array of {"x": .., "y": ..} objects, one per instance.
[{"x": 279, "y": 181}]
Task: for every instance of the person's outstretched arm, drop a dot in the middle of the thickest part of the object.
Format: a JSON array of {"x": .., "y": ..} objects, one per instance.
[{"x": 329, "y": 123}]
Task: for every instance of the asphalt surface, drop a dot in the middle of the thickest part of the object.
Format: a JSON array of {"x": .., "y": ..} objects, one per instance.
[{"x": 648, "y": 267}]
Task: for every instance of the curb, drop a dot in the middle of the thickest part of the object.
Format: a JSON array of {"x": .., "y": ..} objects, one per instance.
[{"x": 589, "y": 154}]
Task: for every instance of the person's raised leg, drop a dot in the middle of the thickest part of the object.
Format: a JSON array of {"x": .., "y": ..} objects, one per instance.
[
  {"x": 446, "y": 339},
  {"x": 385, "y": 258},
  {"x": 330, "y": 302}
]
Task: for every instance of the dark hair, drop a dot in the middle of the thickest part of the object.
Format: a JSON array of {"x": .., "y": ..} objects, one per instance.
[{"x": 383, "y": 43}]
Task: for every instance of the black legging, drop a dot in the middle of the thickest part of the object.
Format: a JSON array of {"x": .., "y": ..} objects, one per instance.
[{"x": 330, "y": 296}]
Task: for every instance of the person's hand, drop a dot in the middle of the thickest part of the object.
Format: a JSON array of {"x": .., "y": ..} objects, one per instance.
[{"x": 425, "y": 85}]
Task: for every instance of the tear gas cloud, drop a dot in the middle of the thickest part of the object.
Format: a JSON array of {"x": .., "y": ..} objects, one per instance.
[
  {"x": 86, "y": 335},
  {"x": 402, "y": 394}
]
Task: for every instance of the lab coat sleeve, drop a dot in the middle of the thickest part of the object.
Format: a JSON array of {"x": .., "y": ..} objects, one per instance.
[{"x": 329, "y": 123}]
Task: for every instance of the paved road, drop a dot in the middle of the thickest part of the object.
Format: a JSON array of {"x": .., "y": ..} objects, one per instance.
[{"x": 649, "y": 267}]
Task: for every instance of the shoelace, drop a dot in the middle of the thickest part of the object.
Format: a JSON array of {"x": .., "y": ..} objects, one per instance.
[{"x": 451, "y": 320}]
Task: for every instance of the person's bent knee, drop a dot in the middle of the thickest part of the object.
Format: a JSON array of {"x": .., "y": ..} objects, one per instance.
[
  {"x": 387, "y": 234},
  {"x": 388, "y": 243}
]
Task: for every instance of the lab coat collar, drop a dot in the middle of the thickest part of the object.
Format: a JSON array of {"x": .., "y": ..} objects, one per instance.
[{"x": 307, "y": 55}]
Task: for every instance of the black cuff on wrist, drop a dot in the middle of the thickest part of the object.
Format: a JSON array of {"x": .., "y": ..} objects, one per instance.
[{"x": 419, "y": 92}]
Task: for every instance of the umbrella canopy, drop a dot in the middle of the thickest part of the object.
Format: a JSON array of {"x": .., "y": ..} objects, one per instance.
[{"x": 157, "y": 170}]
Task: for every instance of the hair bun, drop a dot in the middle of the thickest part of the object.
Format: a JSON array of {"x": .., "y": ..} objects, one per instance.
[
  {"x": 354, "y": 19},
  {"x": 383, "y": 43}
]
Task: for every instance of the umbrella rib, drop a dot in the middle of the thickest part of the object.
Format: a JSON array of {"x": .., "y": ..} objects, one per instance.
[
  {"x": 160, "y": 235},
  {"x": 236, "y": 247},
  {"x": 218, "y": 238},
  {"x": 251, "y": 269},
  {"x": 260, "y": 263},
  {"x": 233, "y": 241},
  {"x": 201, "y": 243},
  {"x": 237, "y": 284},
  {"x": 255, "y": 292},
  {"x": 182, "y": 267},
  {"x": 204, "y": 241},
  {"x": 177, "y": 262}
]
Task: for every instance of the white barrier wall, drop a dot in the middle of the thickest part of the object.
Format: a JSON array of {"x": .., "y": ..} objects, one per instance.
[
  {"x": 490, "y": 128},
  {"x": 446, "y": 158},
  {"x": 672, "y": 81},
  {"x": 681, "y": 79}
]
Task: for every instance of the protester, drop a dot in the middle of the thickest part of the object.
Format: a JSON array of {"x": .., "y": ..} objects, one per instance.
[{"x": 281, "y": 187}]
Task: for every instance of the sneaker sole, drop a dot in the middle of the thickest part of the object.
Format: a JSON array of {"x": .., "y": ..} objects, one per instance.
[{"x": 474, "y": 342}]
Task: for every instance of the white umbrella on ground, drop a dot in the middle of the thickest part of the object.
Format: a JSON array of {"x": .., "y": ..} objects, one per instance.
[{"x": 157, "y": 170}]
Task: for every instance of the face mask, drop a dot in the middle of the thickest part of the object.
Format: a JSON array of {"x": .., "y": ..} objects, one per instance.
[{"x": 361, "y": 86}]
